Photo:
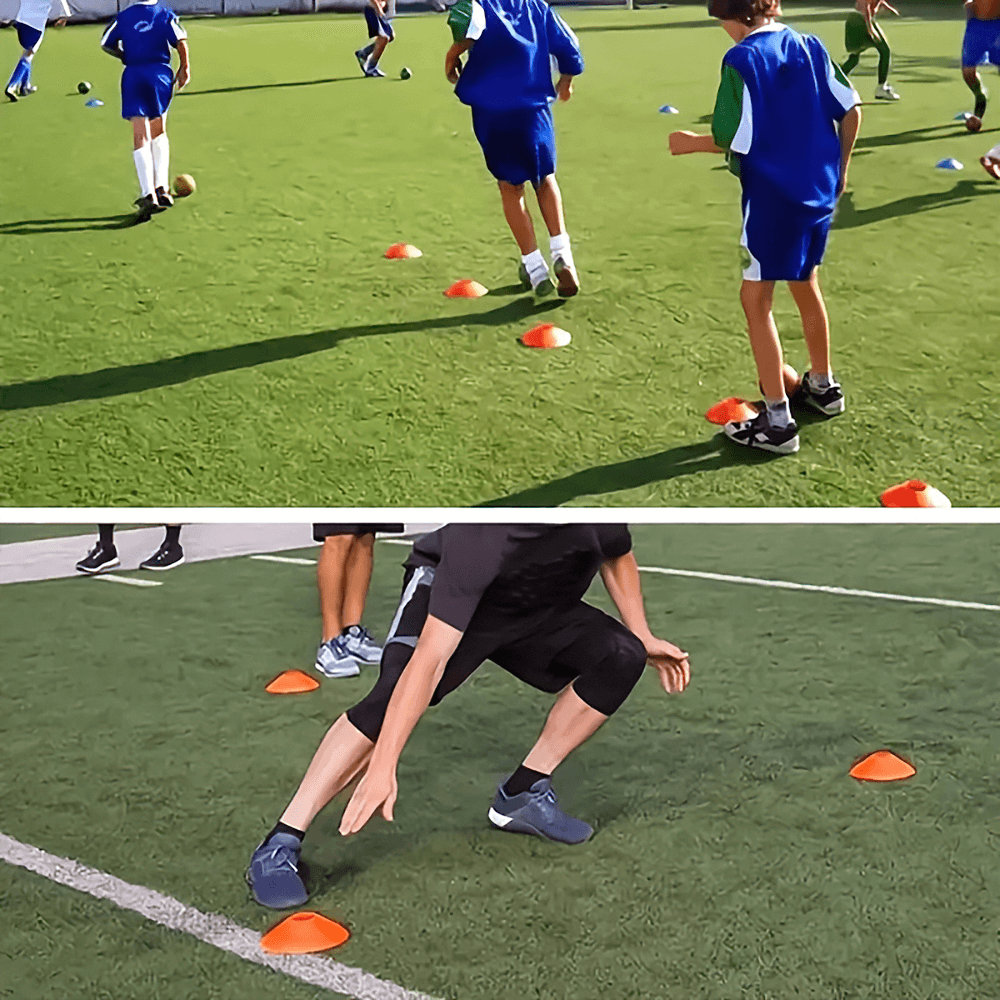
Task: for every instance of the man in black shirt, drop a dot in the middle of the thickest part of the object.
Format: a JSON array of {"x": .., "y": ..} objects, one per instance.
[{"x": 472, "y": 592}]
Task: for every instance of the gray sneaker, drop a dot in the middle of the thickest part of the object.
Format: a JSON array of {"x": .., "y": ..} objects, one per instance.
[
  {"x": 273, "y": 875},
  {"x": 333, "y": 659},
  {"x": 537, "y": 811},
  {"x": 359, "y": 643}
]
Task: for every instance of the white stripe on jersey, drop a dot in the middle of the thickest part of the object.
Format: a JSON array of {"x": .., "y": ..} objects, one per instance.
[
  {"x": 477, "y": 23},
  {"x": 744, "y": 134},
  {"x": 35, "y": 13},
  {"x": 104, "y": 37},
  {"x": 847, "y": 97}
]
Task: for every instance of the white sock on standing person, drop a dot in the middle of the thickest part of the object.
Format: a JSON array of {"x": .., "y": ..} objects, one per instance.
[
  {"x": 778, "y": 412},
  {"x": 143, "y": 158},
  {"x": 161, "y": 161},
  {"x": 534, "y": 264},
  {"x": 559, "y": 247}
]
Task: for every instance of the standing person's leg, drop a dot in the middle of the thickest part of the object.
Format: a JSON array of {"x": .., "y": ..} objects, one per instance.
[
  {"x": 103, "y": 556},
  {"x": 332, "y": 656},
  {"x": 820, "y": 389},
  {"x": 160, "y": 146},
  {"x": 19, "y": 84},
  {"x": 976, "y": 44},
  {"x": 169, "y": 554},
  {"x": 142, "y": 156},
  {"x": 357, "y": 578},
  {"x": 551, "y": 206}
]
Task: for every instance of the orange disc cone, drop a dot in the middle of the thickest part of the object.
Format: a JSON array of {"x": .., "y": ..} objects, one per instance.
[
  {"x": 402, "y": 251},
  {"x": 466, "y": 289},
  {"x": 302, "y": 933},
  {"x": 545, "y": 335},
  {"x": 883, "y": 765},
  {"x": 913, "y": 493},
  {"x": 292, "y": 682},
  {"x": 729, "y": 410}
]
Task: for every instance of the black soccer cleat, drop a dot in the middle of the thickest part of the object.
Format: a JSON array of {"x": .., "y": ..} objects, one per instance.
[
  {"x": 167, "y": 556},
  {"x": 163, "y": 198},
  {"x": 99, "y": 560},
  {"x": 761, "y": 433}
]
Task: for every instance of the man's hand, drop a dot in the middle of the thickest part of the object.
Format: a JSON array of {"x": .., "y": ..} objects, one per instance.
[
  {"x": 672, "y": 663},
  {"x": 564, "y": 87},
  {"x": 377, "y": 788}
]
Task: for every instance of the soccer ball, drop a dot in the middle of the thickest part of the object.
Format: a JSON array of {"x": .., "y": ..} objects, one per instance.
[
  {"x": 404, "y": 73},
  {"x": 184, "y": 185},
  {"x": 83, "y": 87},
  {"x": 973, "y": 124}
]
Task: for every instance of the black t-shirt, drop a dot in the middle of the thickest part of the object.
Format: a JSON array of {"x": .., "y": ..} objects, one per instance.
[{"x": 490, "y": 577}]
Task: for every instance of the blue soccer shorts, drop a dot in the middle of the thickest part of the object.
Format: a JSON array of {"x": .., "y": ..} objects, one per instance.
[
  {"x": 28, "y": 38},
  {"x": 146, "y": 90},
  {"x": 981, "y": 43},
  {"x": 378, "y": 26},
  {"x": 782, "y": 242},
  {"x": 519, "y": 145}
]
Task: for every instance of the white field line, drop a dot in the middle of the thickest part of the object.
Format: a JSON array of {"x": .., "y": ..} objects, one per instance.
[
  {"x": 212, "y": 928},
  {"x": 815, "y": 588},
  {"x": 293, "y": 560},
  {"x": 131, "y": 581}
]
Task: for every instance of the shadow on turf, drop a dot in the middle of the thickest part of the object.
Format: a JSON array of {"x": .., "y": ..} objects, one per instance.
[
  {"x": 850, "y": 217},
  {"x": 200, "y": 364},
  {"x": 34, "y": 227},
  {"x": 926, "y": 134},
  {"x": 269, "y": 86}
]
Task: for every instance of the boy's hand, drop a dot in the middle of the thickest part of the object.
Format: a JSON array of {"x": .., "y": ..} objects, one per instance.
[
  {"x": 452, "y": 66},
  {"x": 60, "y": 23},
  {"x": 564, "y": 87},
  {"x": 183, "y": 77},
  {"x": 680, "y": 142}
]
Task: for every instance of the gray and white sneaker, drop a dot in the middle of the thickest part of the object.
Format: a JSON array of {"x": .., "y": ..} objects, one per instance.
[
  {"x": 537, "y": 811},
  {"x": 333, "y": 659},
  {"x": 567, "y": 280},
  {"x": 273, "y": 874},
  {"x": 828, "y": 400},
  {"x": 374, "y": 71},
  {"x": 761, "y": 433},
  {"x": 358, "y": 642}
]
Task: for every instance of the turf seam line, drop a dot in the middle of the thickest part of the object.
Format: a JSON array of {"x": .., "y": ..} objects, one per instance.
[
  {"x": 820, "y": 589},
  {"x": 293, "y": 560},
  {"x": 111, "y": 578},
  {"x": 212, "y": 928}
]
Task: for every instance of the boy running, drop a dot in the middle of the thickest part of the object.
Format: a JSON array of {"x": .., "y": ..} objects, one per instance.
[
  {"x": 980, "y": 45},
  {"x": 141, "y": 37},
  {"x": 32, "y": 16},
  {"x": 776, "y": 117},
  {"x": 380, "y": 29},
  {"x": 861, "y": 32},
  {"x": 507, "y": 82},
  {"x": 471, "y": 592}
]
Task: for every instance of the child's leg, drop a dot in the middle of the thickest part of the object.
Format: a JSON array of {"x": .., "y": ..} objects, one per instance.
[
  {"x": 757, "y": 298},
  {"x": 815, "y": 324},
  {"x": 22, "y": 71},
  {"x": 519, "y": 220},
  {"x": 850, "y": 63},
  {"x": 142, "y": 155},
  {"x": 550, "y": 205},
  {"x": 975, "y": 83},
  {"x": 884, "y": 54},
  {"x": 160, "y": 148},
  {"x": 380, "y": 43}
]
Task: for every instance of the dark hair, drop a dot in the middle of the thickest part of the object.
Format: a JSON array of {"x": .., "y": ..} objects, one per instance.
[{"x": 746, "y": 11}]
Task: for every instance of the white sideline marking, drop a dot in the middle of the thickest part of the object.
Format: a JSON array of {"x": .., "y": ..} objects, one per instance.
[
  {"x": 127, "y": 579},
  {"x": 212, "y": 928},
  {"x": 841, "y": 591},
  {"x": 294, "y": 560}
]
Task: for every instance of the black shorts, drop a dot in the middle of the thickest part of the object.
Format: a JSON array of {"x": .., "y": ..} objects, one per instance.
[{"x": 321, "y": 531}]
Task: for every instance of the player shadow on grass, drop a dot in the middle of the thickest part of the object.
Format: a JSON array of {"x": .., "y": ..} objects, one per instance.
[
  {"x": 849, "y": 217},
  {"x": 35, "y": 227},
  {"x": 925, "y": 134},
  {"x": 269, "y": 86},
  {"x": 129, "y": 379}
]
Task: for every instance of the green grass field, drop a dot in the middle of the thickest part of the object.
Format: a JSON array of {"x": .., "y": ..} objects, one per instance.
[
  {"x": 734, "y": 857},
  {"x": 252, "y": 347}
]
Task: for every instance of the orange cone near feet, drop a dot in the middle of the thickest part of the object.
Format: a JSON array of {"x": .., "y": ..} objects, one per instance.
[
  {"x": 913, "y": 493},
  {"x": 732, "y": 409},
  {"x": 402, "y": 251},
  {"x": 545, "y": 335},
  {"x": 883, "y": 765},
  {"x": 292, "y": 682},
  {"x": 466, "y": 289},
  {"x": 302, "y": 933}
]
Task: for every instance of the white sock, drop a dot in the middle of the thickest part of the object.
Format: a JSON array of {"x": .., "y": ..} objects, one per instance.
[
  {"x": 821, "y": 380},
  {"x": 535, "y": 265},
  {"x": 559, "y": 247},
  {"x": 161, "y": 161},
  {"x": 144, "y": 168},
  {"x": 778, "y": 412},
  {"x": 994, "y": 153}
]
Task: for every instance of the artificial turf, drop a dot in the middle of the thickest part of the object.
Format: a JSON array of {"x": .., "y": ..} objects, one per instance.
[
  {"x": 252, "y": 346},
  {"x": 733, "y": 858}
]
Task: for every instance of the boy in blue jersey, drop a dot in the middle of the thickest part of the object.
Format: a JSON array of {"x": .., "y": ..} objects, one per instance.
[
  {"x": 380, "y": 29},
  {"x": 507, "y": 82},
  {"x": 980, "y": 45},
  {"x": 142, "y": 36},
  {"x": 32, "y": 16},
  {"x": 787, "y": 118}
]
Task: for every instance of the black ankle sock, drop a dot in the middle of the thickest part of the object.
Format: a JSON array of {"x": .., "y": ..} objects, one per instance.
[
  {"x": 280, "y": 827},
  {"x": 106, "y": 533},
  {"x": 173, "y": 536},
  {"x": 521, "y": 780}
]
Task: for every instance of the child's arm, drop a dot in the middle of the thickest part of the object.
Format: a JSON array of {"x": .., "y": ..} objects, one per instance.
[
  {"x": 453, "y": 59},
  {"x": 691, "y": 142},
  {"x": 184, "y": 70},
  {"x": 564, "y": 87},
  {"x": 849, "y": 126},
  {"x": 725, "y": 120},
  {"x": 111, "y": 42}
]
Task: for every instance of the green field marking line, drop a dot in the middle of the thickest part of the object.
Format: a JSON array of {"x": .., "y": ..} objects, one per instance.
[
  {"x": 212, "y": 928},
  {"x": 819, "y": 589},
  {"x": 291, "y": 560},
  {"x": 131, "y": 581}
]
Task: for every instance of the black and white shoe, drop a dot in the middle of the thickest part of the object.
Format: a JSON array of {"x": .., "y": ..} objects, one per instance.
[
  {"x": 147, "y": 206},
  {"x": 167, "y": 556},
  {"x": 761, "y": 433},
  {"x": 99, "y": 560},
  {"x": 27, "y": 90},
  {"x": 163, "y": 198},
  {"x": 12, "y": 94},
  {"x": 829, "y": 401}
]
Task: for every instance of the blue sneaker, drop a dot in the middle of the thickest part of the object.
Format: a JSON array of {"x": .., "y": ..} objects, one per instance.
[
  {"x": 359, "y": 643},
  {"x": 334, "y": 660},
  {"x": 537, "y": 811},
  {"x": 273, "y": 875}
]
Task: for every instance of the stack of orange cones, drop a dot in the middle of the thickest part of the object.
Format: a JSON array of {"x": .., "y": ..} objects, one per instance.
[
  {"x": 292, "y": 682},
  {"x": 883, "y": 765},
  {"x": 913, "y": 493},
  {"x": 545, "y": 335},
  {"x": 466, "y": 289},
  {"x": 402, "y": 251},
  {"x": 304, "y": 933}
]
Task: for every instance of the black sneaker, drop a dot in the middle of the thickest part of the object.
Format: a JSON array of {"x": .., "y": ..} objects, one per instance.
[
  {"x": 27, "y": 90},
  {"x": 163, "y": 198},
  {"x": 167, "y": 556},
  {"x": 12, "y": 94},
  {"x": 761, "y": 433},
  {"x": 829, "y": 401},
  {"x": 99, "y": 560},
  {"x": 148, "y": 207}
]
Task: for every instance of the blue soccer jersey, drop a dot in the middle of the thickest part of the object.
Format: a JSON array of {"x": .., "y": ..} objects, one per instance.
[
  {"x": 779, "y": 103},
  {"x": 143, "y": 34},
  {"x": 510, "y": 64}
]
